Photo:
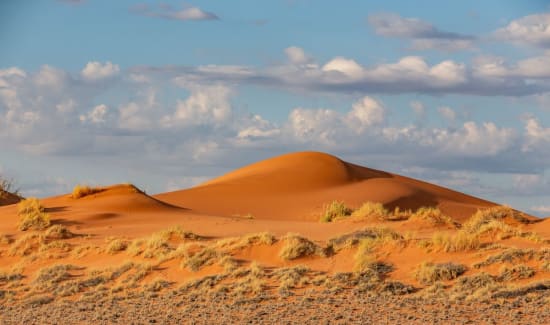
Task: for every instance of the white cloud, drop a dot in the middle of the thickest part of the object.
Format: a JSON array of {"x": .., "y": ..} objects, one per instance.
[
  {"x": 536, "y": 135},
  {"x": 94, "y": 70},
  {"x": 169, "y": 12},
  {"x": 207, "y": 105},
  {"x": 348, "y": 67},
  {"x": 296, "y": 55},
  {"x": 447, "y": 112},
  {"x": 97, "y": 115},
  {"x": 533, "y": 30},
  {"x": 424, "y": 35},
  {"x": 365, "y": 113}
]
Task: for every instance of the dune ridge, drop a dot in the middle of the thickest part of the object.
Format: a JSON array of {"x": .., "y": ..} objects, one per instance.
[{"x": 297, "y": 185}]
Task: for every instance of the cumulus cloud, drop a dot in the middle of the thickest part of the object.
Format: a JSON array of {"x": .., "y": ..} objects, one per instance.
[
  {"x": 297, "y": 55},
  {"x": 447, "y": 112},
  {"x": 410, "y": 74},
  {"x": 169, "y": 12},
  {"x": 94, "y": 70},
  {"x": 205, "y": 105},
  {"x": 532, "y": 30},
  {"x": 424, "y": 35}
]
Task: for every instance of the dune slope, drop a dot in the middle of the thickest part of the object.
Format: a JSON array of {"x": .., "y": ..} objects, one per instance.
[{"x": 296, "y": 186}]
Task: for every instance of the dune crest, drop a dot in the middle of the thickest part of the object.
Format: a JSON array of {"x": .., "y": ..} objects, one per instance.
[{"x": 296, "y": 186}]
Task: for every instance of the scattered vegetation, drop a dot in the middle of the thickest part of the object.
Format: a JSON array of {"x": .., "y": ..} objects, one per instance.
[
  {"x": 58, "y": 232},
  {"x": 372, "y": 211},
  {"x": 335, "y": 210},
  {"x": 206, "y": 256},
  {"x": 80, "y": 191},
  {"x": 516, "y": 272},
  {"x": 433, "y": 216},
  {"x": 459, "y": 242},
  {"x": 32, "y": 215},
  {"x": 296, "y": 246},
  {"x": 430, "y": 273},
  {"x": 116, "y": 245}
]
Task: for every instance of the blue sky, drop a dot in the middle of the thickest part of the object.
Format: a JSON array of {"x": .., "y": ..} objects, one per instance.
[{"x": 168, "y": 94}]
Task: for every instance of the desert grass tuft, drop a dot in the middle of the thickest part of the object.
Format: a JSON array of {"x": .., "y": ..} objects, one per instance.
[
  {"x": 373, "y": 211},
  {"x": 58, "y": 232},
  {"x": 116, "y": 245},
  {"x": 430, "y": 273},
  {"x": 296, "y": 246},
  {"x": 434, "y": 216},
  {"x": 516, "y": 272},
  {"x": 32, "y": 216},
  {"x": 459, "y": 242},
  {"x": 335, "y": 210},
  {"x": 205, "y": 256},
  {"x": 377, "y": 235},
  {"x": 80, "y": 191}
]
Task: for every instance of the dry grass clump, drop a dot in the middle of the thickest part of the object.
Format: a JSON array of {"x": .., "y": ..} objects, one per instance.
[
  {"x": 205, "y": 256},
  {"x": 335, "y": 210},
  {"x": 80, "y": 191},
  {"x": 515, "y": 272},
  {"x": 375, "y": 236},
  {"x": 32, "y": 215},
  {"x": 116, "y": 245},
  {"x": 296, "y": 246},
  {"x": 474, "y": 287},
  {"x": 157, "y": 284},
  {"x": 236, "y": 243},
  {"x": 429, "y": 273},
  {"x": 459, "y": 242},
  {"x": 48, "y": 277},
  {"x": 26, "y": 244},
  {"x": 372, "y": 211},
  {"x": 292, "y": 277},
  {"x": 177, "y": 233},
  {"x": 481, "y": 218},
  {"x": 58, "y": 232},
  {"x": 434, "y": 216},
  {"x": 514, "y": 255}
]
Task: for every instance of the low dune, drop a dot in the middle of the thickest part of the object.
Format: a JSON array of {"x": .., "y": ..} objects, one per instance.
[{"x": 296, "y": 186}]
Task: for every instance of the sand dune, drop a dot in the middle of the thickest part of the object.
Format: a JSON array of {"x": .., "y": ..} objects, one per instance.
[{"x": 296, "y": 186}]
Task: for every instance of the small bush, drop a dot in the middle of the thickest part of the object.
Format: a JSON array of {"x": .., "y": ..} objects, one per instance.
[
  {"x": 475, "y": 224},
  {"x": 429, "y": 273},
  {"x": 296, "y": 246},
  {"x": 204, "y": 257},
  {"x": 80, "y": 191},
  {"x": 48, "y": 277},
  {"x": 334, "y": 210},
  {"x": 433, "y": 216},
  {"x": 58, "y": 232},
  {"x": 456, "y": 243},
  {"x": 516, "y": 272},
  {"x": 371, "y": 211},
  {"x": 32, "y": 215},
  {"x": 116, "y": 245}
]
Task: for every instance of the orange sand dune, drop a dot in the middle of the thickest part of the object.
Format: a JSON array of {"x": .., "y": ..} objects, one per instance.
[{"x": 296, "y": 186}]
